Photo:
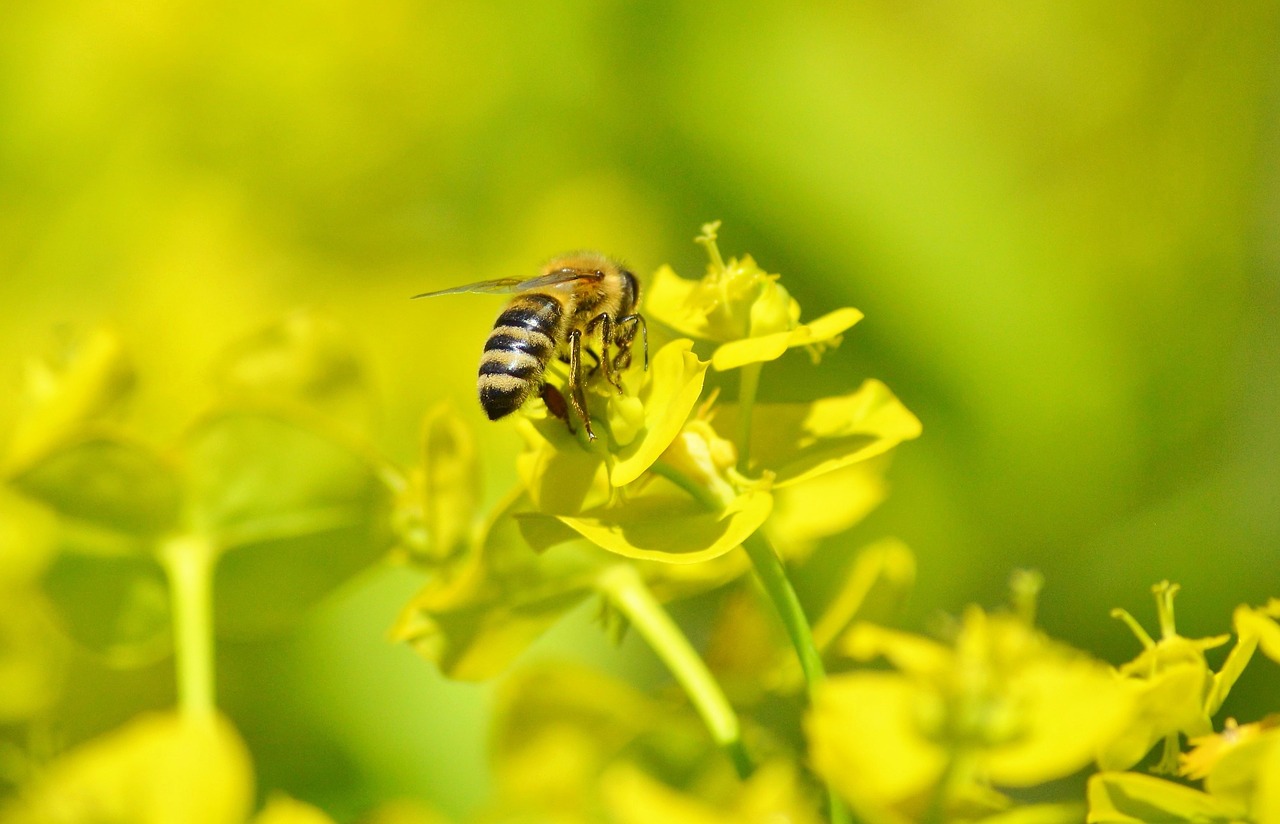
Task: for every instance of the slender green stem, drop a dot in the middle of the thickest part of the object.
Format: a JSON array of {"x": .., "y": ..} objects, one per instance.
[
  {"x": 773, "y": 577},
  {"x": 188, "y": 560},
  {"x": 625, "y": 589},
  {"x": 748, "y": 384}
]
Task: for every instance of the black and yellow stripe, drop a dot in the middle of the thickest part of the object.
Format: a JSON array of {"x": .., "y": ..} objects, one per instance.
[{"x": 522, "y": 342}]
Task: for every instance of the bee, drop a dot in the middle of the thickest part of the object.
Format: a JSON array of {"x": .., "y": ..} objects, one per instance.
[{"x": 554, "y": 315}]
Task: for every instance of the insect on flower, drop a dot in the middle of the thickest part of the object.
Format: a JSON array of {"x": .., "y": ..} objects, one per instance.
[{"x": 554, "y": 315}]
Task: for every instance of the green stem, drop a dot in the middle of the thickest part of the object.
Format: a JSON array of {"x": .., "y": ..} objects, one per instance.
[
  {"x": 625, "y": 589},
  {"x": 188, "y": 560},
  {"x": 748, "y": 384},
  {"x": 773, "y": 578}
]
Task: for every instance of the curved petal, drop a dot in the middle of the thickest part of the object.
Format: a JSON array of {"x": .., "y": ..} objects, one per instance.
[
  {"x": 674, "y": 530},
  {"x": 672, "y": 390},
  {"x": 825, "y": 329}
]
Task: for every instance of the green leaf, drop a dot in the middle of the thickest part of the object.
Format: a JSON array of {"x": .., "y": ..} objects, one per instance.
[
  {"x": 107, "y": 482},
  {"x": 801, "y": 441},
  {"x": 672, "y": 529},
  {"x": 158, "y": 769},
  {"x": 116, "y": 605},
  {"x": 1132, "y": 798},
  {"x": 293, "y": 511}
]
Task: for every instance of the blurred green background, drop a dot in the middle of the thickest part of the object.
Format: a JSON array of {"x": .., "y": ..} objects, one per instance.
[{"x": 1060, "y": 219}]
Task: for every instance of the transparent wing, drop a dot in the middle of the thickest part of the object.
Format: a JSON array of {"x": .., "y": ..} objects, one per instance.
[{"x": 516, "y": 285}]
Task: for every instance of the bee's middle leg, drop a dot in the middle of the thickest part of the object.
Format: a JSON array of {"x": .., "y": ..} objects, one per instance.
[
  {"x": 608, "y": 364},
  {"x": 576, "y": 396}
]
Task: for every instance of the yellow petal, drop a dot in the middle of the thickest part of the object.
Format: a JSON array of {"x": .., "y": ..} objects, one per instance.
[
  {"x": 1067, "y": 709},
  {"x": 770, "y": 347},
  {"x": 802, "y": 441},
  {"x": 1133, "y": 798},
  {"x": 157, "y": 769},
  {"x": 673, "y": 388},
  {"x": 673, "y": 529},
  {"x": 864, "y": 739}
]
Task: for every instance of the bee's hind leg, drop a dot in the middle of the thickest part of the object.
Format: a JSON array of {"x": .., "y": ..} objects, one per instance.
[
  {"x": 556, "y": 404},
  {"x": 576, "y": 396}
]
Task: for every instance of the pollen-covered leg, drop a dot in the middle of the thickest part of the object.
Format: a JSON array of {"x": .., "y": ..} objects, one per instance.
[
  {"x": 626, "y": 336},
  {"x": 606, "y": 340},
  {"x": 576, "y": 396}
]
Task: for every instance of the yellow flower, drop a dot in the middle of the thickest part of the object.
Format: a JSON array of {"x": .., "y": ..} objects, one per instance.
[
  {"x": 742, "y": 307},
  {"x": 1000, "y": 705}
]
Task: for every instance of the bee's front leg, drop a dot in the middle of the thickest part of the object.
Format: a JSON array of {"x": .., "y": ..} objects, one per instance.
[
  {"x": 607, "y": 339},
  {"x": 576, "y": 396},
  {"x": 627, "y": 337}
]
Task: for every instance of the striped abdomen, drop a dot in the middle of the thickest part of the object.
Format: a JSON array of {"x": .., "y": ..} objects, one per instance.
[{"x": 524, "y": 338}]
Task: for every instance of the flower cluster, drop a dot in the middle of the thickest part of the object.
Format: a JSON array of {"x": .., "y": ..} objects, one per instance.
[{"x": 678, "y": 481}]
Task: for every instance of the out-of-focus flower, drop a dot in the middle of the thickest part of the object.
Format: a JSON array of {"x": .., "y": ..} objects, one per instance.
[{"x": 1000, "y": 706}]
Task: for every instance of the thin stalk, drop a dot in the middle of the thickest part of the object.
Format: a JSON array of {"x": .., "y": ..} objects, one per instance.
[
  {"x": 748, "y": 385},
  {"x": 773, "y": 577},
  {"x": 188, "y": 561},
  {"x": 777, "y": 586},
  {"x": 625, "y": 589}
]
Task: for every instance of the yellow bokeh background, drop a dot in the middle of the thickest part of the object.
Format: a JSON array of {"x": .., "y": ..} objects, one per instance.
[{"x": 1059, "y": 219}]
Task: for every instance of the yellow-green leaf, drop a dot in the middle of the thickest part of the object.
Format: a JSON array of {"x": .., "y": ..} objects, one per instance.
[{"x": 479, "y": 613}]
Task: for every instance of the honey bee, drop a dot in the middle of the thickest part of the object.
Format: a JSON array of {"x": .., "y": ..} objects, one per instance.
[{"x": 554, "y": 315}]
